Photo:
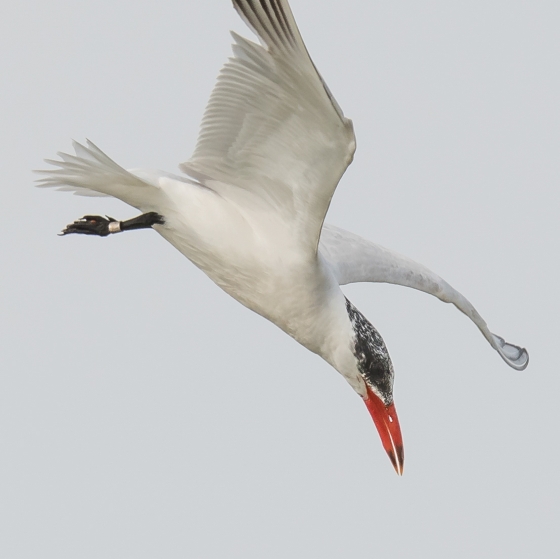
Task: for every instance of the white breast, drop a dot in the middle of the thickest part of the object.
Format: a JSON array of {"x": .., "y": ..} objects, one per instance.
[{"x": 254, "y": 257}]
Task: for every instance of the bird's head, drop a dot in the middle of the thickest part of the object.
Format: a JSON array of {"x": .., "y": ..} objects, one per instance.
[{"x": 375, "y": 367}]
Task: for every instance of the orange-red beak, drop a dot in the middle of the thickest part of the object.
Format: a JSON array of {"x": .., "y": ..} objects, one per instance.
[{"x": 387, "y": 423}]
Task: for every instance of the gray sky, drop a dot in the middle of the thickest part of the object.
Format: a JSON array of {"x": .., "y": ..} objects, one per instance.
[{"x": 144, "y": 413}]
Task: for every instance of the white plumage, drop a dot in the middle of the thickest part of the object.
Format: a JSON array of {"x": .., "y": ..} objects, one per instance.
[{"x": 273, "y": 146}]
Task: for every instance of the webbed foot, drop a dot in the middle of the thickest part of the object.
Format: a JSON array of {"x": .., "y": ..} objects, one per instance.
[
  {"x": 92, "y": 225},
  {"x": 103, "y": 226}
]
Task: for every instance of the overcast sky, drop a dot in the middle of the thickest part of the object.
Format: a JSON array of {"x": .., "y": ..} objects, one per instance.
[{"x": 144, "y": 413}]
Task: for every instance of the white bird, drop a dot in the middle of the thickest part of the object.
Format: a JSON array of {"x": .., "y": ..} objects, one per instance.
[{"x": 250, "y": 210}]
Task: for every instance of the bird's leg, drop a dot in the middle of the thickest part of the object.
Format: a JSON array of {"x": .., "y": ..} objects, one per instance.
[{"x": 103, "y": 226}]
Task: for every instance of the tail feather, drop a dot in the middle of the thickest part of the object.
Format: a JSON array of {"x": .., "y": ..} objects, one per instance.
[{"x": 92, "y": 173}]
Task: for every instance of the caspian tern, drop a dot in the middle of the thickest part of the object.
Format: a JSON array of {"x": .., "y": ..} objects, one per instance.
[{"x": 250, "y": 210}]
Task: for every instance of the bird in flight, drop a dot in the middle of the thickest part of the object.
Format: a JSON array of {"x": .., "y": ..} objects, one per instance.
[{"x": 249, "y": 210}]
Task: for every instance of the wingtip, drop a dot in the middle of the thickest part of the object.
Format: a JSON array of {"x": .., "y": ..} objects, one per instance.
[{"x": 515, "y": 356}]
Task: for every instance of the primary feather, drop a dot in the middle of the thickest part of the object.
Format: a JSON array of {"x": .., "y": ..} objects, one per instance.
[{"x": 272, "y": 127}]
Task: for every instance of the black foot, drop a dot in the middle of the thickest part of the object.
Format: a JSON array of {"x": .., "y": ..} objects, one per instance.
[
  {"x": 103, "y": 226},
  {"x": 144, "y": 221},
  {"x": 90, "y": 225}
]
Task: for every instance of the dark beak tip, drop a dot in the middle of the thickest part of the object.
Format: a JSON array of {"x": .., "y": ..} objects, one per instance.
[{"x": 397, "y": 460}]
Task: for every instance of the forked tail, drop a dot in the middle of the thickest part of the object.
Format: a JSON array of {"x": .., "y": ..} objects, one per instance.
[{"x": 92, "y": 173}]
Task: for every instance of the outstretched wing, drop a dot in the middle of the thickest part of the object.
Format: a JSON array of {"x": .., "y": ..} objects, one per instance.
[
  {"x": 272, "y": 127},
  {"x": 354, "y": 259}
]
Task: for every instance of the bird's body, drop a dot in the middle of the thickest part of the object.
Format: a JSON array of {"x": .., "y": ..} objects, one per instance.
[
  {"x": 250, "y": 210},
  {"x": 260, "y": 261}
]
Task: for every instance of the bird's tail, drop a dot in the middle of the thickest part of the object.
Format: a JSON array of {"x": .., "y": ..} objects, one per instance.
[{"x": 92, "y": 173}]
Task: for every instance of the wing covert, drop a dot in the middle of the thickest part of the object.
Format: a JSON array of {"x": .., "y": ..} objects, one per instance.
[{"x": 271, "y": 126}]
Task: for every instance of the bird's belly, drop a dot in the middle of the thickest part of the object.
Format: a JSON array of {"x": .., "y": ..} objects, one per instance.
[
  {"x": 255, "y": 256},
  {"x": 270, "y": 276}
]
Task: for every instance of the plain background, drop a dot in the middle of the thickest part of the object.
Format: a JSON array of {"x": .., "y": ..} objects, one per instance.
[{"x": 144, "y": 413}]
